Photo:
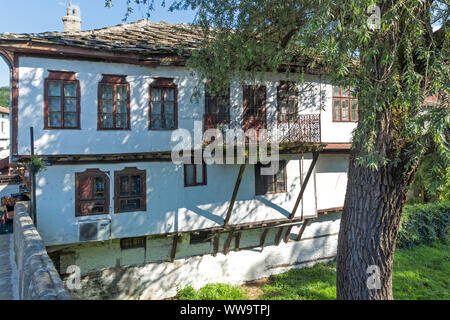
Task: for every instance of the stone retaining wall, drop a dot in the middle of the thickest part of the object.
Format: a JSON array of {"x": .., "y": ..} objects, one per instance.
[{"x": 37, "y": 276}]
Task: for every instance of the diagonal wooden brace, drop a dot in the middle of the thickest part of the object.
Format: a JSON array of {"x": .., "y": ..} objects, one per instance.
[
  {"x": 304, "y": 184},
  {"x": 233, "y": 197}
]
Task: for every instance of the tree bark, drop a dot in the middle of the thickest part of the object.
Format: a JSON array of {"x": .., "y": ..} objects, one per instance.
[{"x": 373, "y": 205}]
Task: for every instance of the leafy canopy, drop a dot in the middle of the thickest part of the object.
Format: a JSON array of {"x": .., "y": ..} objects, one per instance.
[{"x": 393, "y": 68}]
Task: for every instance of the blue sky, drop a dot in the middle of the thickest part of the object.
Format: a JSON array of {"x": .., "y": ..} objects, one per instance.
[{"x": 31, "y": 16}]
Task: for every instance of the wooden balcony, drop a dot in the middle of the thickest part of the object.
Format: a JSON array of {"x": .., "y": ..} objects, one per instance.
[{"x": 301, "y": 129}]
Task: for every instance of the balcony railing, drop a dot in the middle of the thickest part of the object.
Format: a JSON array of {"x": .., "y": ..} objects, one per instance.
[{"x": 304, "y": 128}]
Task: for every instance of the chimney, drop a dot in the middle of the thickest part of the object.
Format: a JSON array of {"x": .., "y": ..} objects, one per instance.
[{"x": 72, "y": 22}]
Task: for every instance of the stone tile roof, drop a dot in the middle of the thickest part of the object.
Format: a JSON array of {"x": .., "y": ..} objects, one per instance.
[
  {"x": 4, "y": 110},
  {"x": 140, "y": 37}
]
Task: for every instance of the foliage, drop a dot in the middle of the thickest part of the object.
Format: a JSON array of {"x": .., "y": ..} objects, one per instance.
[
  {"x": 419, "y": 273},
  {"x": 4, "y": 97},
  {"x": 218, "y": 291},
  {"x": 424, "y": 224},
  {"x": 34, "y": 163}
]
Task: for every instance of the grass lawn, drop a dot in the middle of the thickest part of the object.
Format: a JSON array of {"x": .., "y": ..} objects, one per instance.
[{"x": 419, "y": 273}]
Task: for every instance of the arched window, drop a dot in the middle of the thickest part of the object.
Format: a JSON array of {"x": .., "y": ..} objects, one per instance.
[{"x": 91, "y": 193}]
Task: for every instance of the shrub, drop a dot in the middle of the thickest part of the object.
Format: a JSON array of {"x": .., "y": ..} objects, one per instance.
[{"x": 424, "y": 223}]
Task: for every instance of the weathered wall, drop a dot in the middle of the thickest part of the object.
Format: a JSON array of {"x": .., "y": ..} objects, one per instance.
[
  {"x": 37, "y": 276},
  {"x": 145, "y": 273},
  {"x": 171, "y": 207},
  {"x": 88, "y": 140}
]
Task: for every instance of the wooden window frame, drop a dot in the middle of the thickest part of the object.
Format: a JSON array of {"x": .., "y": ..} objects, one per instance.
[
  {"x": 114, "y": 81},
  {"x": 163, "y": 83},
  {"x": 91, "y": 173},
  {"x": 61, "y": 77},
  {"x": 258, "y": 169},
  {"x": 245, "y": 91},
  {"x": 214, "y": 99},
  {"x": 128, "y": 172},
  {"x": 195, "y": 184},
  {"x": 286, "y": 85},
  {"x": 136, "y": 243},
  {"x": 342, "y": 98}
]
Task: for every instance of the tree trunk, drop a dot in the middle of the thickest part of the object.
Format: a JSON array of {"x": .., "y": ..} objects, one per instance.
[{"x": 370, "y": 220}]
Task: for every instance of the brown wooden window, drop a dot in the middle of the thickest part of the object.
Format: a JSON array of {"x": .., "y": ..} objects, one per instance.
[
  {"x": 217, "y": 107},
  {"x": 91, "y": 193},
  {"x": 254, "y": 101},
  {"x": 194, "y": 175},
  {"x": 129, "y": 190},
  {"x": 287, "y": 96},
  {"x": 113, "y": 103},
  {"x": 265, "y": 184},
  {"x": 61, "y": 101},
  {"x": 132, "y": 243},
  {"x": 163, "y": 105},
  {"x": 345, "y": 104}
]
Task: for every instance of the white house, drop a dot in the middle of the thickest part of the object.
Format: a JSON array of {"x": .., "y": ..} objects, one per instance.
[{"x": 104, "y": 105}]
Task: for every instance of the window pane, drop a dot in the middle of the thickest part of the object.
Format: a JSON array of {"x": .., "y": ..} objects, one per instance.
[
  {"x": 345, "y": 110},
  {"x": 70, "y": 89},
  {"x": 337, "y": 110},
  {"x": 130, "y": 204},
  {"x": 70, "y": 104},
  {"x": 121, "y": 93},
  {"x": 169, "y": 94},
  {"x": 86, "y": 188},
  {"x": 54, "y": 89},
  {"x": 107, "y": 92},
  {"x": 199, "y": 174},
  {"x": 292, "y": 106},
  {"x": 354, "y": 110},
  {"x": 345, "y": 91},
  {"x": 169, "y": 121},
  {"x": 135, "y": 185},
  {"x": 156, "y": 108},
  {"x": 107, "y": 106},
  {"x": 107, "y": 120},
  {"x": 121, "y": 106},
  {"x": 189, "y": 174},
  {"x": 54, "y": 119},
  {"x": 70, "y": 119},
  {"x": 99, "y": 188},
  {"x": 123, "y": 186},
  {"x": 169, "y": 107},
  {"x": 155, "y": 121},
  {"x": 121, "y": 120},
  {"x": 336, "y": 91},
  {"x": 156, "y": 94},
  {"x": 54, "y": 104}
]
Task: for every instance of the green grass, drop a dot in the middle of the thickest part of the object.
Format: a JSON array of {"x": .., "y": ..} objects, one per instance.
[{"x": 419, "y": 273}]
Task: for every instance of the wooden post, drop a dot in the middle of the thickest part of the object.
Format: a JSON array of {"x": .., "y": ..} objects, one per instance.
[
  {"x": 305, "y": 182},
  {"x": 278, "y": 236},
  {"x": 216, "y": 244},
  {"x": 263, "y": 237},
  {"x": 300, "y": 233},
  {"x": 237, "y": 240},
  {"x": 174, "y": 248},
  {"x": 288, "y": 234},
  {"x": 235, "y": 192},
  {"x": 226, "y": 247}
]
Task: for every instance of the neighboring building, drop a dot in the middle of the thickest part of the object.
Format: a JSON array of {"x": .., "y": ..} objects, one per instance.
[
  {"x": 4, "y": 129},
  {"x": 104, "y": 104}
]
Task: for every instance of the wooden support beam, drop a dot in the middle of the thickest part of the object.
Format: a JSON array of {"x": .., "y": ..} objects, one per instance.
[
  {"x": 300, "y": 233},
  {"x": 233, "y": 197},
  {"x": 216, "y": 244},
  {"x": 304, "y": 184},
  {"x": 174, "y": 248},
  {"x": 263, "y": 237},
  {"x": 226, "y": 247},
  {"x": 278, "y": 236},
  {"x": 288, "y": 234},
  {"x": 237, "y": 240}
]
